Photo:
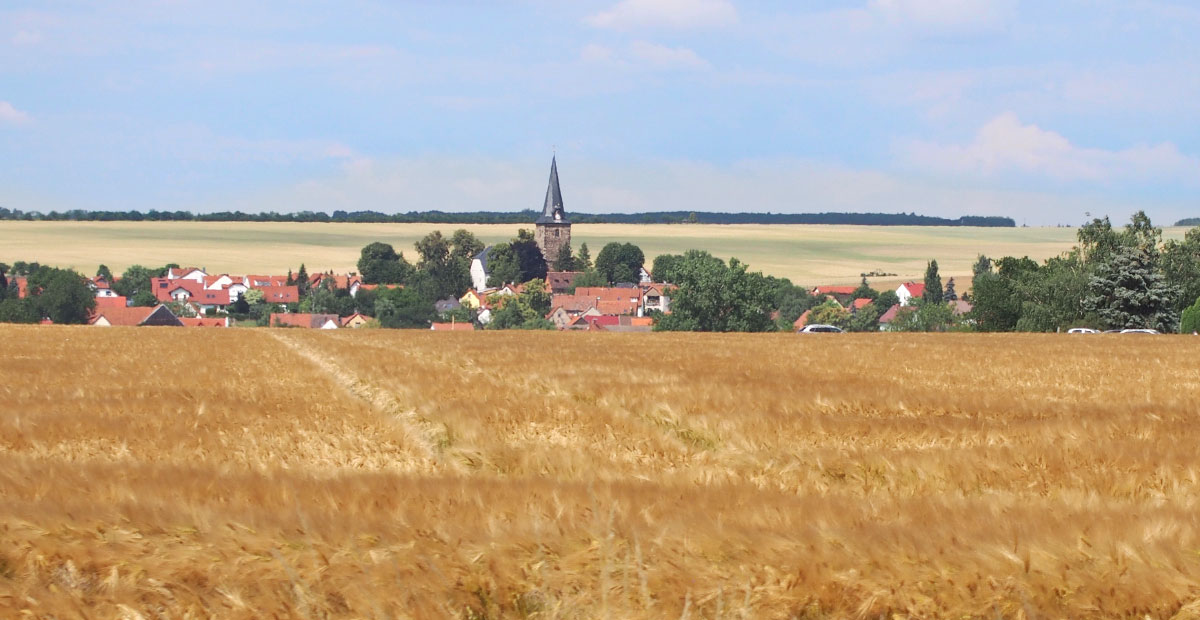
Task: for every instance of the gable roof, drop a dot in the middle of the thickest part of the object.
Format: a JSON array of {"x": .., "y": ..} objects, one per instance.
[
  {"x": 800, "y": 322},
  {"x": 356, "y": 317},
  {"x": 260, "y": 281},
  {"x": 136, "y": 315},
  {"x": 560, "y": 281},
  {"x": 183, "y": 272},
  {"x": 452, "y": 327},
  {"x": 914, "y": 289},
  {"x": 280, "y": 294},
  {"x": 202, "y": 322},
  {"x": 299, "y": 319},
  {"x": 111, "y": 302},
  {"x": 890, "y": 315},
  {"x": 834, "y": 290},
  {"x": 857, "y": 304}
]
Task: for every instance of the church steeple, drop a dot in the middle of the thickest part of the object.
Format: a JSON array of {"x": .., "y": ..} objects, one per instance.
[{"x": 553, "y": 211}]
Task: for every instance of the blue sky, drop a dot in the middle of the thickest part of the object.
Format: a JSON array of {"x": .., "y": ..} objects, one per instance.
[{"x": 1038, "y": 110}]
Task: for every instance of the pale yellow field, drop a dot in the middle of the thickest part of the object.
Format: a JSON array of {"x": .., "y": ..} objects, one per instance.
[
  {"x": 809, "y": 255},
  {"x": 157, "y": 472}
]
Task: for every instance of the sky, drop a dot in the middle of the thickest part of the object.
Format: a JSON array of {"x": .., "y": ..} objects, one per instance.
[{"x": 1042, "y": 111}]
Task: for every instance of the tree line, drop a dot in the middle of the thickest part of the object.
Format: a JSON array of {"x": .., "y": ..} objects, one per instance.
[{"x": 526, "y": 216}]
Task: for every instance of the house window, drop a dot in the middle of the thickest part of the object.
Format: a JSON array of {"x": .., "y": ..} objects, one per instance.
[{"x": 555, "y": 232}]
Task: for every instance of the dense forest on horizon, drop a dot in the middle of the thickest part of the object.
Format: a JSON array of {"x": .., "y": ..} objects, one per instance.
[{"x": 513, "y": 217}]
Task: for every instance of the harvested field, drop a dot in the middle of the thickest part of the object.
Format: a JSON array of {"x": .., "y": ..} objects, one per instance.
[{"x": 394, "y": 474}]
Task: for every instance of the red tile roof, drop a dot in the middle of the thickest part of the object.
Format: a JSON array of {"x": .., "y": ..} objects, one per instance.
[
  {"x": 296, "y": 319},
  {"x": 914, "y": 289},
  {"x": 259, "y": 281},
  {"x": 111, "y": 302},
  {"x": 202, "y": 322},
  {"x": 857, "y": 304},
  {"x": 279, "y": 294},
  {"x": 453, "y": 327},
  {"x": 890, "y": 315},
  {"x": 803, "y": 320},
  {"x": 834, "y": 290}
]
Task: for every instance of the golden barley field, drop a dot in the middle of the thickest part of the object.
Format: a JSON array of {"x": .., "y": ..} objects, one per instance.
[
  {"x": 809, "y": 255},
  {"x": 274, "y": 473}
]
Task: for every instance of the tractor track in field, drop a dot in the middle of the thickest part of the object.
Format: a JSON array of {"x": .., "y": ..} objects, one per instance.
[{"x": 427, "y": 439}]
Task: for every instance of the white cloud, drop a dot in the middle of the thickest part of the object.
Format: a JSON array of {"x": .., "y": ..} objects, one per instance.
[
  {"x": 11, "y": 115},
  {"x": 681, "y": 14},
  {"x": 663, "y": 57},
  {"x": 1005, "y": 145}
]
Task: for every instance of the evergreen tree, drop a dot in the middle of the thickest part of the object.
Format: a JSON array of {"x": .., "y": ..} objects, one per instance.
[
  {"x": 864, "y": 291},
  {"x": 1128, "y": 292},
  {"x": 933, "y": 284},
  {"x": 290, "y": 280},
  {"x": 950, "y": 295},
  {"x": 564, "y": 261},
  {"x": 302, "y": 280},
  {"x": 584, "y": 260},
  {"x": 982, "y": 265}
]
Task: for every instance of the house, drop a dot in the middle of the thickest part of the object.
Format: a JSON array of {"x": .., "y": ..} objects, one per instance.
[
  {"x": 564, "y": 318},
  {"x": 355, "y": 320},
  {"x": 452, "y": 327},
  {"x": 800, "y": 322},
  {"x": 101, "y": 288},
  {"x": 204, "y": 321},
  {"x": 654, "y": 299},
  {"x": 479, "y": 269},
  {"x": 446, "y": 305},
  {"x": 473, "y": 299},
  {"x": 644, "y": 276},
  {"x": 885, "y": 320},
  {"x": 308, "y": 321},
  {"x": 907, "y": 291},
  {"x": 280, "y": 294},
  {"x": 134, "y": 316},
  {"x": 858, "y": 304},
  {"x": 217, "y": 283},
  {"x": 116, "y": 301},
  {"x": 960, "y": 307},
  {"x": 347, "y": 282},
  {"x": 186, "y": 273},
  {"x": 561, "y": 281},
  {"x": 261, "y": 281}
]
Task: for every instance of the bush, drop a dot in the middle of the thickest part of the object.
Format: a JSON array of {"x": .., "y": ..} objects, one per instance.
[{"x": 1190, "y": 321}]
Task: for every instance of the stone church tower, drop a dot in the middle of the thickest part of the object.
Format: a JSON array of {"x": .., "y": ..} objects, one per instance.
[{"x": 553, "y": 230}]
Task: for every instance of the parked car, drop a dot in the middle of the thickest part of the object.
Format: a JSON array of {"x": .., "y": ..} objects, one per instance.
[
  {"x": 1140, "y": 331},
  {"x": 1082, "y": 330},
  {"x": 821, "y": 329}
]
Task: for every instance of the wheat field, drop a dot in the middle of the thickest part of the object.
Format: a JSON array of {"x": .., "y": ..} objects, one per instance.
[
  {"x": 809, "y": 255},
  {"x": 158, "y": 473}
]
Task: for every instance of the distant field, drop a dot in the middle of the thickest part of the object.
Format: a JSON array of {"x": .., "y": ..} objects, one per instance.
[
  {"x": 808, "y": 255},
  {"x": 402, "y": 474}
]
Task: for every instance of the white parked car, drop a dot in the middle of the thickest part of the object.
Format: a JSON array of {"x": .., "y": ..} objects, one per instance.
[
  {"x": 1140, "y": 331},
  {"x": 820, "y": 329},
  {"x": 1082, "y": 330}
]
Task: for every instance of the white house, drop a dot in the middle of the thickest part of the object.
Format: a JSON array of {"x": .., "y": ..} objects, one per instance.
[
  {"x": 479, "y": 269},
  {"x": 220, "y": 282},
  {"x": 186, "y": 273},
  {"x": 236, "y": 290},
  {"x": 654, "y": 298},
  {"x": 909, "y": 290}
]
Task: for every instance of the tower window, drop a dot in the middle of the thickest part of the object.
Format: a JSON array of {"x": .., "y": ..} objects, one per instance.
[{"x": 555, "y": 232}]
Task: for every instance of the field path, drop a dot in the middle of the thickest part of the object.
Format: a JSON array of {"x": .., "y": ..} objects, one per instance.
[{"x": 423, "y": 435}]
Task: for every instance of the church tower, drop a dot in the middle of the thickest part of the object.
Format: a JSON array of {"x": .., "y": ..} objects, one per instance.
[{"x": 553, "y": 230}]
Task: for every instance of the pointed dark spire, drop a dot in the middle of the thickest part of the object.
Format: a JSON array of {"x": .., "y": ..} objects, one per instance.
[{"x": 553, "y": 211}]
